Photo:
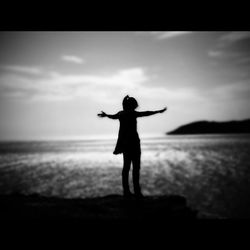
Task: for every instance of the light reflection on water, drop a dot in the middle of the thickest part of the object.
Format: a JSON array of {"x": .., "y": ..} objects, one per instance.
[{"x": 212, "y": 171}]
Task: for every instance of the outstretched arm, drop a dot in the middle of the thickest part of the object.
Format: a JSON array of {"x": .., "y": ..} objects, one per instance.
[
  {"x": 103, "y": 114},
  {"x": 148, "y": 113}
]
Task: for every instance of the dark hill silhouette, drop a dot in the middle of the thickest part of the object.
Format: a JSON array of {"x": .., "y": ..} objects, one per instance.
[{"x": 212, "y": 127}]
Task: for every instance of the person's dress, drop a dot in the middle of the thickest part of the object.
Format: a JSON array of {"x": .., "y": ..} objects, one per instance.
[{"x": 128, "y": 139}]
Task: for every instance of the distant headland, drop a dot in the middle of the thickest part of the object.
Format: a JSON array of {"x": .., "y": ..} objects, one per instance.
[{"x": 213, "y": 127}]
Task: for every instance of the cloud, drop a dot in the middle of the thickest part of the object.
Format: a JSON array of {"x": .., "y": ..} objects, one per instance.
[
  {"x": 233, "y": 48},
  {"x": 225, "y": 54},
  {"x": 232, "y": 38},
  {"x": 72, "y": 59},
  {"x": 96, "y": 88},
  {"x": 22, "y": 69},
  {"x": 53, "y": 85},
  {"x": 235, "y": 36},
  {"x": 163, "y": 35},
  {"x": 169, "y": 34}
]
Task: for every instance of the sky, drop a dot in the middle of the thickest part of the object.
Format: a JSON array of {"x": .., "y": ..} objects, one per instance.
[{"x": 53, "y": 84}]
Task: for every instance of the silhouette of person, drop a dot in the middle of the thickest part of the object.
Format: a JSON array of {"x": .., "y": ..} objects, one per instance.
[{"x": 128, "y": 142}]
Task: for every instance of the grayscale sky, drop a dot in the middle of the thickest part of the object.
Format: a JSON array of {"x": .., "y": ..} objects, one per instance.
[{"x": 53, "y": 84}]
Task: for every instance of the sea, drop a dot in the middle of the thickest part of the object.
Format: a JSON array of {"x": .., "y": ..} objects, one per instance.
[{"x": 211, "y": 171}]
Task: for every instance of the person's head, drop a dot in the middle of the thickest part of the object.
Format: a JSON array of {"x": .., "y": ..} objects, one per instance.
[{"x": 129, "y": 103}]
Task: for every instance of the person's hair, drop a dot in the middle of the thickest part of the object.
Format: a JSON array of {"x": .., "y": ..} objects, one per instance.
[{"x": 129, "y": 103}]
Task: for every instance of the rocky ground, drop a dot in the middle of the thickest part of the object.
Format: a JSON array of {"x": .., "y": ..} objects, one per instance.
[{"x": 107, "y": 208}]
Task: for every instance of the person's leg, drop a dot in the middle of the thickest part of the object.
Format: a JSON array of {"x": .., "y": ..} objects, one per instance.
[
  {"x": 125, "y": 173},
  {"x": 136, "y": 174}
]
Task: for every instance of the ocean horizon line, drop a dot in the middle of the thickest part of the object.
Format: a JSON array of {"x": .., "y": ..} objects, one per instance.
[
  {"x": 80, "y": 138},
  {"x": 112, "y": 137}
]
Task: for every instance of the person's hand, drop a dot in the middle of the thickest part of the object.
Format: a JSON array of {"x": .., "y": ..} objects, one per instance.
[
  {"x": 102, "y": 114},
  {"x": 163, "y": 110}
]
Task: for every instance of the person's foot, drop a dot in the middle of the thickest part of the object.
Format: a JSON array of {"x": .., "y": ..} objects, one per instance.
[
  {"x": 139, "y": 195},
  {"x": 127, "y": 194}
]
